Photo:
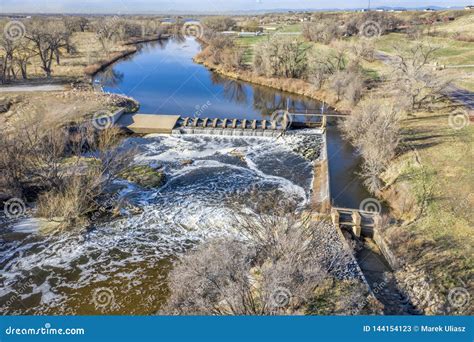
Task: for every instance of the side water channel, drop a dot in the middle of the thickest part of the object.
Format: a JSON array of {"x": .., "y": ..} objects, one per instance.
[{"x": 347, "y": 191}]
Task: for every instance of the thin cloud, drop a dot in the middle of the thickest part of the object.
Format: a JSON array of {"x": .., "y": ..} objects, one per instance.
[{"x": 163, "y": 6}]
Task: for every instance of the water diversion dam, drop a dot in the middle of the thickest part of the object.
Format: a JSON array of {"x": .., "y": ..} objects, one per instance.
[{"x": 207, "y": 171}]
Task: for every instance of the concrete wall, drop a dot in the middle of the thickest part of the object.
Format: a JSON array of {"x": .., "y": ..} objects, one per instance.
[
  {"x": 387, "y": 253},
  {"x": 321, "y": 196}
]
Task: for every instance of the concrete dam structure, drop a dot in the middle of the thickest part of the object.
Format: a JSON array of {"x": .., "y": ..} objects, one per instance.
[
  {"x": 235, "y": 127},
  {"x": 176, "y": 124}
]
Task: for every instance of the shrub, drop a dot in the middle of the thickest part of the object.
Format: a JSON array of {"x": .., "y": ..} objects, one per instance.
[
  {"x": 324, "y": 31},
  {"x": 274, "y": 270}
]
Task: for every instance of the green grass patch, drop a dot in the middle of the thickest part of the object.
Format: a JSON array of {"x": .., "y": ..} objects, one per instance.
[{"x": 144, "y": 175}]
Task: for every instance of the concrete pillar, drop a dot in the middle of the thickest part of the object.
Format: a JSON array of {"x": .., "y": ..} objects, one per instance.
[
  {"x": 214, "y": 123},
  {"x": 335, "y": 216},
  {"x": 244, "y": 123},
  {"x": 204, "y": 122},
  {"x": 195, "y": 123},
  {"x": 325, "y": 120},
  {"x": 254, "y": 124},
  {"x": 234, "y": 123},
  {"x": 186, "y": 122},
  {"x": 357, "y": 220},
  {"x": 224, "y": 123},
  {"x": 377, "y": 221},
  {"x": 285, "y": 123},
  {"x": 264, "y": 124},
  {"x": 274, "y": 124}
]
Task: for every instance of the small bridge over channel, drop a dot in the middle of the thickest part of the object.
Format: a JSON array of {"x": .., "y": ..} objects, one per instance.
[{"x": 360, "y": 222}]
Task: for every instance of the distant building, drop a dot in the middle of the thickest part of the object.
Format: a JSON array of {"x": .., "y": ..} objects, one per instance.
[
  {"x": 168, "y": 21},
  {"x": 429, "y": 9},
  {"x": 469, "y": 8}
]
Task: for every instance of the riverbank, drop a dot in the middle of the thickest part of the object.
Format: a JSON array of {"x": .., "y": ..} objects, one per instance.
[
  {"x": 92, "y": 69},
  {"x": 294, "y": 86},
  {"x": 129, "y": 48}
]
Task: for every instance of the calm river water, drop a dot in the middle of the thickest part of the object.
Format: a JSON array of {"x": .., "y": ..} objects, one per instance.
[{"x": 120, "y": 267}]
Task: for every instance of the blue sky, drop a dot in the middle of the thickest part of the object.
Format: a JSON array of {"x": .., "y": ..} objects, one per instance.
[{"x": 135, "y": 6}]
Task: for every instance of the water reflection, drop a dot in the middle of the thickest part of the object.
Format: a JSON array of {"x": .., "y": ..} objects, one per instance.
[
  {"x": 234, "y": 91},
  {"x": 165, "y": 80},
  {"x": 111, "y": 78}
]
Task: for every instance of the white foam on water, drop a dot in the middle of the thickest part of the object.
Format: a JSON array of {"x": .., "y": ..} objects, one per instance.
[{"x": 190, "y": 208}]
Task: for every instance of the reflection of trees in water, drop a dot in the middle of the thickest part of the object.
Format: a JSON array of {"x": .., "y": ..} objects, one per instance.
[
  {"x": 150, "y": 46},
  {"x": 178, "y": 37},
  {"x": 233, "y": 90},
  {"x": 111, "y": 77},
  {"x": 267, "y": 100}
]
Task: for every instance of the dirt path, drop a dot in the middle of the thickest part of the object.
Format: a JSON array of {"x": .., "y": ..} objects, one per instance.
[{"x": 27, "y": 88}]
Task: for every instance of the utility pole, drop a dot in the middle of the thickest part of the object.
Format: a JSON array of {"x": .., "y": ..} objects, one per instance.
[{"x": 369, "y": 6}]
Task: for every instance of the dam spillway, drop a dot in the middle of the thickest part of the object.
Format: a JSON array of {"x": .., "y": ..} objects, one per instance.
[
  {"x": 176, "y": 124},
  {"x": 234, "y": 127}
]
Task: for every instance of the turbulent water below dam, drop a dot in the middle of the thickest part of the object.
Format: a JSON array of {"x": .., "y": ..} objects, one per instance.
[{"x": 124, "y": 263}]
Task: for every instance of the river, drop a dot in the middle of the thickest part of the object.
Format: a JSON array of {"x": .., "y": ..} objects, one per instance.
[{"x": 120, "y": 267}]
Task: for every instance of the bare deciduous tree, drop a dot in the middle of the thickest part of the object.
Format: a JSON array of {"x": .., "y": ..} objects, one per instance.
[
  {"x": 219, "y": 23},
  {"x": 324, "y": 31},
  {"x": 414, "y": 75},
  {"x": 363, "y": 49},
  {"x": 374, "y": 129},
  {"x": 47, "y": 37},
  {"x": 8, "y": 48},
  {"x": 322, "y": 65},
  {"x": 281, "y": 57},
  {"x": 39, "y": 160}
]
